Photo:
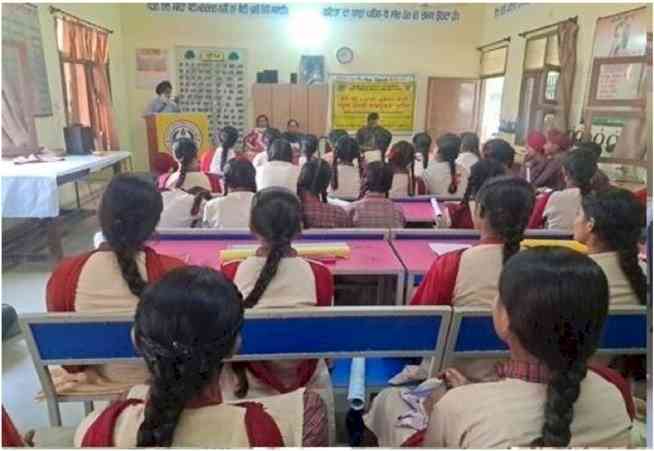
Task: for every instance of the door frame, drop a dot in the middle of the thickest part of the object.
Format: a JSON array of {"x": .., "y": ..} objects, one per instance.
[{"x": 476, "y": 108}]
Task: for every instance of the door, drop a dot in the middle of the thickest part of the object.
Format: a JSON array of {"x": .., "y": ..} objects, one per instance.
[{"x": 452, "y": 106}]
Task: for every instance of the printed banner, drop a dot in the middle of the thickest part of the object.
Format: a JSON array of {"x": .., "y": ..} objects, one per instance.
[
  {"x": 216, "y": 9},
  {"x": 397, "y": 14},
  {"x": 393, "y": 100},
  {"x": 151, "y": 67},
  {"x": 505, "y": 9},
  {"x": 173, "y": 126}
]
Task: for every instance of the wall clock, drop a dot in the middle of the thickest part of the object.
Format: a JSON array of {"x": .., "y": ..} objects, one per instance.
[{"x": 344, "y": 55}]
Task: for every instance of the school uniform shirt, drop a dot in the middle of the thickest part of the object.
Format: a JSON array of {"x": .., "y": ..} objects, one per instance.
[
  {"x": 298, "y": 283},
  {"x": 458, "y": 215},
  {"x": 437, "y": 178},
  {"x": 510, "y": 413},
  {"x": 294, "y": 419},
  {"x": 375, "y": 211},
  {"x": 400, "y": 186},
  {"x": 260, "y": 159},
  {"x": 208, "y": 181},
  {"x": 278, "y": 173},
  {"x": 178, "y": 210},
  {"x": 467, "y": 160},
  {"x": 217, "y": 159},
  {"x": 229, "y": 212},
  {"x": 93, "y": 282},
  {"x": 561, "y": 209},
  {"x": 620, "y": 291},
  {"x": 322, "y": 215},
  {"x": 349, "y": 182}
]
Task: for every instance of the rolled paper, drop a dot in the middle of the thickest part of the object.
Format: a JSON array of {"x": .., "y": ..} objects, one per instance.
[
  {"x": 310, "y": 250},
  {"x": 356, "y": 393},
  {"x": 571, "y": 244}
]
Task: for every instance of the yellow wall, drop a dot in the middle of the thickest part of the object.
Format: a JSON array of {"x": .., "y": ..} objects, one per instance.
[
  {"x": 536, "y": 15},
  {"x": 422, "y": 49}
]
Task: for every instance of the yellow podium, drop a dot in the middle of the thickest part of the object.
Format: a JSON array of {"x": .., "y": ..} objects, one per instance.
[{"x": 164, "y": 128}]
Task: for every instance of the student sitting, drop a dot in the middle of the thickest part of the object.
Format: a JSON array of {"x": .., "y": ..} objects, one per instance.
[
  {"x": 609, "y": 223},
  {"x": 312, "y": 191},
  {"x": 469, "y": 153},
  {"x": 555, "y": 148},
  {"x": 276, "y": 277},
  {"x": 233, "y": 209},
  {"x": 183, "y": 208},
  {"x": 346, "y": 169},
  {"x": 551, "y": 312},
  {"x": 112, "y": 277},
  {"x": 535, "y": 160},
  {"x": 332, "y": 140},
  {"x": 422, "y": 143},
  {"x": 269, "y": 135},
  {"x": 186, "y": 325},
  {"x": 500, "y": 150},
  {"x": 402, "y": 160},
  {"x": 600, "y": 180},
  {"x": 459, "y": 215},
  {"x": 443, "y": 175},
  {"x": 224, "y": 152},
  {"x": 188, "y": 175},
  {"x": 383, "y": 139},
  {"x": 279, "y": 171},
  {"x": 365, "y": 138},
  {"x": 557, "y": 210},
  {"x": 254, "y": 141},
  {"x": 308, "y": 149},
  {"x": 375, "y": 210}
]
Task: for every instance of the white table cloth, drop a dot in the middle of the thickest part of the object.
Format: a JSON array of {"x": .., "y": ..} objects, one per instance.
[{"x": 31, "y": 190}]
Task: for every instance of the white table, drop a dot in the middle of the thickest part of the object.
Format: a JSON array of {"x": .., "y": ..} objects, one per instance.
[{"x": 32, "y": 190}]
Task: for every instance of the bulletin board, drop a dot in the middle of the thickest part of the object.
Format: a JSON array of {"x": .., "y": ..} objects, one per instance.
[
  {"x": 392, "y": 97},
  {"x": 21, "y": 26},
  {"x": 212, "y": 80}
]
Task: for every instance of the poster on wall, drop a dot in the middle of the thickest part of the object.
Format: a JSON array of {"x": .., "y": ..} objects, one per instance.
[
  {"x": 354, "y": 97},
  {"x": 619, "y": 81},
  {"x": 151, "y": 68},
  {"x": 212, "y": 80},
  {"x": 622, "y": 34},
  {"x": 21, "y": 30}
]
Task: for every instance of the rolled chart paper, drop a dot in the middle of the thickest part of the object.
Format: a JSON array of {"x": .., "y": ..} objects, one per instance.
[
  {"x": 356, "y": 394},
  {"x": 316, "y": 250}
]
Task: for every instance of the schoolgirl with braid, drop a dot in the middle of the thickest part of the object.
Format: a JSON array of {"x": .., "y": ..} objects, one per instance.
[
  {"x": 609, "y": 223},
  {"x": 347, "y": 169},
  {"x": 444, "y": 175},
  {"x": 557, "y": 209},
  {"x": 186, "y": 325},
  {"x": 277, "y": 277},
  {"x": 551, "y": 310},
  {"x": 312, "y": 191},
  {"x": 188, "y": 174},
  {"x": 402, "y": 159},
  {"x": 112, "y": 277}
]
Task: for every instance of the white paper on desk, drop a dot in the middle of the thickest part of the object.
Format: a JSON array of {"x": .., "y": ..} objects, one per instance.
[
  {"x": 338, "y": 202},
  {"x": 444, "y": 248},
  {"x": 356, "y": 393},
  {"x": 437, "y": 208}
]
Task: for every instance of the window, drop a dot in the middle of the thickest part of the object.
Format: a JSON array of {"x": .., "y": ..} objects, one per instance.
[
  {"x": 492, "y": 69},
  {"x": 551, "y": 83}
]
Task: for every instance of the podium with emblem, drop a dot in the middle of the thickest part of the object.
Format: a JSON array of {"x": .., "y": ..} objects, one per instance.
[{"x": 164, "y": 128}]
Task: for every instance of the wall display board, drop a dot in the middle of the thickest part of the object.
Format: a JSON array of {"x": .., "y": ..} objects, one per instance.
[
  {"x": 212, "y": 80},
  {"x": 151, "y": 67},
  {"x": 21, "y": 29},
  {"x": 355, "y": 96}
]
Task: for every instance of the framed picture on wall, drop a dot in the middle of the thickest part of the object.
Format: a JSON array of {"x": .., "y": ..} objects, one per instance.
[
  {"x": 617, "y": 82},
  {"x": 312, "y": 69}
]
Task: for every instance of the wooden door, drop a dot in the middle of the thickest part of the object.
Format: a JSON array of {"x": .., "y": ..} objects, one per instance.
[{"x": 452, "y": 106}]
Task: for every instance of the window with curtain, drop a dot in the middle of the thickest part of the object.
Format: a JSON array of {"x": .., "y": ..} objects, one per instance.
[
  {"x": 84, "y": 57},
  {"x": 492, "y": 70},
  {"x": 540, "y": 83}
]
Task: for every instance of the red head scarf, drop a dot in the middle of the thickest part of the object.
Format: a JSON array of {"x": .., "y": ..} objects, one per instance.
[
  {"x": 556, "y": 136},
  {"x": 536, "y": 140}
]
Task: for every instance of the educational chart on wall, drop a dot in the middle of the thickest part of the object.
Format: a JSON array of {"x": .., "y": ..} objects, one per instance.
[
  {"x": 622, "y": 34},
  {"x": 21, "y": 30},
  {"x": 151, "y": 67},
  {"x": 355, "y": 96},
  {"x": 212, "y": 80}
]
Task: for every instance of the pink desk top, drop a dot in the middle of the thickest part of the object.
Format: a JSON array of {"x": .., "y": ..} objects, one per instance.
[
  {"x": 417, "y": 211},
  {"x": 417, "y": 256},
  {"x": 368, "y": 257}
]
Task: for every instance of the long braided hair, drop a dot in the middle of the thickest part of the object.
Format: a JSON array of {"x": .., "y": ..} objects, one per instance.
[
  {"x": 616, "y": 217},
  {"x": 309, "y": 146},
  {"x": 129, "y": 213},
  {"x": 580, "y": 166},
  {"x": 479, "y": 173},
  {"x": 557, "y": 303},
  {"x": 240, "y": 174},
  {"x": 403, "y": 158},
  {"x": 228, "y": 138},
  {"x": 500, "y": 150},
  {"x": 448, "y": 151},
  {"x": 422, "y": 141},
  {"x": 383, "y": 138},
  {"x": 470, "y": 143},
  {"x": 186, "y": 152},
  {"x": 185, "y": 326},
  {"x": 314, "y": 179},
  {"x": 506, "y": 203},
  {"x": 347, "y": 150},
  {"x": 275, "y": 217}
]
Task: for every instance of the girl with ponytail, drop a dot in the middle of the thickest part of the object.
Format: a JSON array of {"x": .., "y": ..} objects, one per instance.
[
  {"x": 224, "y": 152},
  {"x": 443, "y": 175},
  {"x": 402, "y": 160},
  {"x": 312, "y": 191},
  {"x": 609, "y": 223},
  {"x": 276, "y": 277},
  {"x": 233, "y": 209},
  {"x": 112, "y": 277},
  {"x": 188, "y": 174},
  {"x": 551, "y": 310},
  {"x": 346, "y": 169},
  {"x": 469, "y": 154},
  {"x": 308, "y": 148},
  {"x": 186, "y": 325},
  {"x": 422, "y": 143},
  {"x": 557, "y": 210}
]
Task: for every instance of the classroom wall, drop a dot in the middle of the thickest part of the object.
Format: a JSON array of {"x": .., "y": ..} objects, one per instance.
[
  {"x": 422, "y": 49},
  {"x": 536, "y": 15}
]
